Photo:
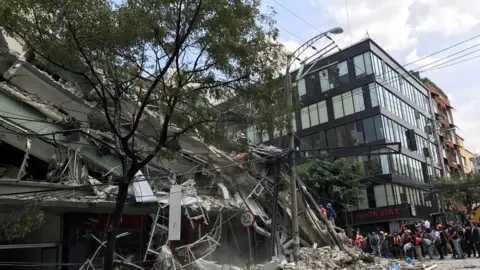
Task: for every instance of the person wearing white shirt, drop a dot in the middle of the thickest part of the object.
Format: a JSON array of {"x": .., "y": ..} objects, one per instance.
[{"x": 426, "y": 224}]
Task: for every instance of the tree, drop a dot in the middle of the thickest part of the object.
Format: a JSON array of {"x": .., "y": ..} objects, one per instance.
[
  {"x": 170, "y": 55},
  {"x": 337, "y": 181},
  {"x": 456, "y": 190}
]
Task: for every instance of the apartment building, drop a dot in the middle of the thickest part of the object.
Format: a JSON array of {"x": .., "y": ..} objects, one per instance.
[
  {"x": 449, "y": 143},
  {"x": 466, "y": 156}
]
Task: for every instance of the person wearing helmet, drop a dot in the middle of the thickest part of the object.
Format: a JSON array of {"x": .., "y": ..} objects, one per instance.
[{"x": 441, "y": 243}]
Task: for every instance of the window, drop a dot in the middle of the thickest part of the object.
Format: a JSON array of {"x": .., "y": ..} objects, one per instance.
[
  {"x": 314, "y": 114},
  {"x": 464, "y": 161},
  {"x": 333, "y": 76},
  {"x": 332, "y": 138},
  {"x": 343, "y": 138},
  {"x": 377, "y": 66},
  {"x": 305, "y": 117},
  {"x": 379, "y": 128},
  {"x": 363, "y": 65},
  {"x": 302, "y": 89},
  {"x": 337, "y": 106},
  {"x": 348, "y": 103},
  {"x": 381, "y": 96},
  {"x": 322, "y": 111},
  {"x": 358, "y": 101},
  {"x": 369, "y": 129},
  {"x": 374, "y": 95}
]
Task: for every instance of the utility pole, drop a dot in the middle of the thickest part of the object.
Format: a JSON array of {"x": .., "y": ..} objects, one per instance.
[
  {"x": 289, "y": 96},
  {"x": 275, "y": 207},
  {"x": 293, "y": 180}
]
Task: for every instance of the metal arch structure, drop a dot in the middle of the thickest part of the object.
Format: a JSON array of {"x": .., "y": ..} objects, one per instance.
[{"x": 309, "y": 44}]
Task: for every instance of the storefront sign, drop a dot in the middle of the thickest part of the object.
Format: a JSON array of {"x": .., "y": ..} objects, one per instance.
[{"x": 372, "y": 214}]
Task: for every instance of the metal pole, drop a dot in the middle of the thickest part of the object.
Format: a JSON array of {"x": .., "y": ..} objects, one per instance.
[
  {"x": 293, "y": 181},
  {"x": 275, "y": 209}
]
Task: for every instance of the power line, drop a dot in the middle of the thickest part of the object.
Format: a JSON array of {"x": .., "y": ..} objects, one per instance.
[{"x": 381, "y": 75}]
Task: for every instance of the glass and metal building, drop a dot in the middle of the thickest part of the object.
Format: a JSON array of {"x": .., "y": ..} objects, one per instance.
[{"x": 363, "y": 96}]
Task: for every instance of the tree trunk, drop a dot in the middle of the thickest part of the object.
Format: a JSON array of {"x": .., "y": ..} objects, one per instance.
[{"x": 115, "y": 221}]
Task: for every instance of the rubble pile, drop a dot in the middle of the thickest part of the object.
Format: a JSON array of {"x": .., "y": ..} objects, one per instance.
[{"x": 333, "y": 258}]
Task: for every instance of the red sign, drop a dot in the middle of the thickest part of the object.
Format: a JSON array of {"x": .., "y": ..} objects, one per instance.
[{"x": 371, "y": 214}]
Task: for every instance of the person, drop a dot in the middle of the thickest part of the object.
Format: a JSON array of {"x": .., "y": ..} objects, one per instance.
[
  {"x": 403, "y": 227},
  {"x": 418, "y": 246},
  {"x": 476, "y": 238},
  {"x": 467, "y": 245},
  {"x": 427, "y": 242},
  {"x": 408, "y": 246},
  {"x": 331, "y": 214},
  {"x": 426, "y": 224},
  {"x": 323, "y": 210},
  {"x": 396, "y": 241},
  {"x": 418, "y": 226},
  {"x": 357, "y": 238},
  {"x": 375, "y": 243},
  {"x": 455, "y": 238},
  {"x": 439, "y": 239},
  {"x": 385, "y": 246}
]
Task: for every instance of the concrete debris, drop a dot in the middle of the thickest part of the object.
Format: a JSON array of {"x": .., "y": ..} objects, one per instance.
[
  {"x": 165, "y": 260},
  {"x": 202, "y": 264},
  {"x": 333, "y": 258}
]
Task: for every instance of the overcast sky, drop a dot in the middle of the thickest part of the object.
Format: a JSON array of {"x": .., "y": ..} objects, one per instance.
[{"x": 407, "y": 29}]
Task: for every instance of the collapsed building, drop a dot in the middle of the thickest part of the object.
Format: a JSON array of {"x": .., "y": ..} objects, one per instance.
[{"x": 183, "y": 211}]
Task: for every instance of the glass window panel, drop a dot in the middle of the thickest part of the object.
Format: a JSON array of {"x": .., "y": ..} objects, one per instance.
[
  {"x": 379, "y": 127},
  {"x": 323, "y": 139},
  {"x": 358, "y": 101},
  {"x": 315, "y": 140},
  {"x": 347, "y": 103},
  {"x": 343, "y": 72},
  {"x": 337, "y": 106},
  {"x": 342, "y": 136},
  {"x": 322, "y": 111},
  {"x": 385, "y": 165},
  {"x": 332, "y": 138},
  {"x": 302, "y": 89},
  {"x": 359, "y": 63},
  {"x": 305, "y": 118},
  {"x": 374, "y": 94},
  {"x": 369, "y": 130},
  {"x": 360, "y": 135},
  {"x": 368, "y": 63},
  {"x": 313, "y": 115},
  {"x": 306, "y": 143},
  {"x": 324, "y": 84}
]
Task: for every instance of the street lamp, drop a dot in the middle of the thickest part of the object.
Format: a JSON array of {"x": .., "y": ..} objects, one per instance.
[
  {"x": 288, "y": 90},
  {"x": 336, "y": 30}
]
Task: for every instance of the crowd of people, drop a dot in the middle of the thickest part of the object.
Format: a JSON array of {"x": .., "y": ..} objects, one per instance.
[{"x": 421, "y": 240}]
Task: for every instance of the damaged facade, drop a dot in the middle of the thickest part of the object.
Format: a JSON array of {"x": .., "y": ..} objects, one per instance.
[{"x": 182, "y": 211}]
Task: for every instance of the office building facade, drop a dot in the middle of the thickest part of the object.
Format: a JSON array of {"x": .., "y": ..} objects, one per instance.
[{"x": 364, "y": 97}]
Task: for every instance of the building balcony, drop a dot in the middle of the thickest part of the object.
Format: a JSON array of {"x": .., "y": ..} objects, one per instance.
[
  {"x": 449, "y": 144},
  {"x": 445, "y": 123}
]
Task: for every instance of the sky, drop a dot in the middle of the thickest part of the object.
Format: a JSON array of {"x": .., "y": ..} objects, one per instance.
[{"x": 408, "y": 30}]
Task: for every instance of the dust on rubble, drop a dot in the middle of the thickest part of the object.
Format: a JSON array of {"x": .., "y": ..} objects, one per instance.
[{"x": 333, "y": 258}]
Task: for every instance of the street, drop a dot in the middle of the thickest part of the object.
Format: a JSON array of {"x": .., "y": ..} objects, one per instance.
[{"x": 450, "y": 264}]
